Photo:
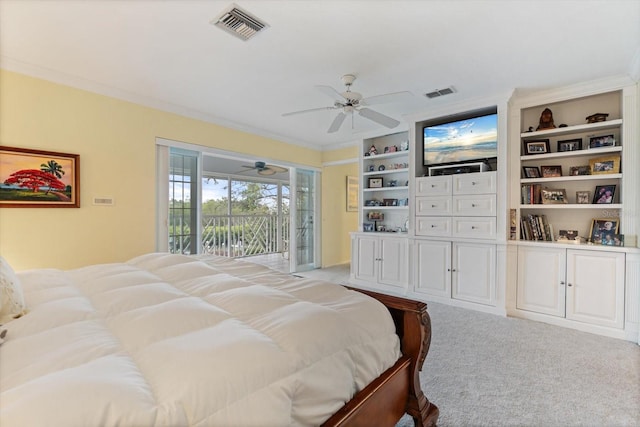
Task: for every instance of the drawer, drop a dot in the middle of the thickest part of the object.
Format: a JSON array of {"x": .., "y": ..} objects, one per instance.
[
  {"x": 433, "y": 226},
  {"x": 474, "y": 227},
  {"x": 480, "y": 205},
  {"x": 433, "y": 186},
  {"x": 436, "y": 206},
  {"x": 475, "y": 183}
]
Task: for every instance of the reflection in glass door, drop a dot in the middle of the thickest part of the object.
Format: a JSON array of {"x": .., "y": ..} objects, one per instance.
[{"x": 305, "y": 207}]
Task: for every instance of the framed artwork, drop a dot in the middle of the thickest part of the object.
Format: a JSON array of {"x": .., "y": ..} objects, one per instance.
[
  {"x": 583, "y": 197},
  {"x": 601, "y": 228},
  {"x": 551, "y": 171},
  {"x": 531, "y": 171},
  {"x": 605, "y": 165},
  {"x": 555, "y": 196},
  {"x": 604, "y": 194},
  {"x": 602, "y": 141},
  {"x": 39, "y": 179},
  {"x": 580, "y": 170},
  {"x": 568, "y": 234},
  {"x": 536, "y": 147},
  {"x": 375, "y": 182},
  {"x": 375, "y": 216},
  {"x": 390, "y": 202},
  {"x": 352, "y": 194},
  {"x": 570, "y": 145},
  {"x": 367, "y": 226}
]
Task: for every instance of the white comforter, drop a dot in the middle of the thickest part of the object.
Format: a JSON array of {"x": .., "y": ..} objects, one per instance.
[{"x": 171, "y": 340}]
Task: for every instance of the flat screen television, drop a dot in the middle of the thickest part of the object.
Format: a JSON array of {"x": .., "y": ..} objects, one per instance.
[{"x": 472, "y": 139}]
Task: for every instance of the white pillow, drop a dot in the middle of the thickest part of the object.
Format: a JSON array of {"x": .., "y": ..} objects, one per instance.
[{"x": 12, "y": 303}]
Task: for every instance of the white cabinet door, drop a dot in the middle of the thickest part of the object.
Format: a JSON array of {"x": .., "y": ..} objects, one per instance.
[
  {"x": 365, "y": 254},
  {"x": 474, "y": 272},
  {"x": 394, "y": 263},
  {"x": 433, "y": 268},
  {"x": 595, "y": 287},
  {"x": 541, "y": 280}
]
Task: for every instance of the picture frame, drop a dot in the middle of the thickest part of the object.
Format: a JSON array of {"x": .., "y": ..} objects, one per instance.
[
  {"x": 540, "y": 146},
  {"x": 570, "y": 145},
  {"x": 583, "y": 197},
  {"x": 551, "y": 171},
  {"x": 375, "y": 182},
  {"x": 601, "y": 228},
  {"x": 553, "y": 196},
  {"x": 352, "y": 193},
  {"x": 375, "y": 216},
  {"x": 531, "y": 172},
  {"x": 605, "y": 165},
  {"x": 368, "y": 226},
  {"x": 568, "y": 235},
  {"x": 604, "y": 194},
  {"x": 602, "y": 141},
  {"x": 39, "y": 179},
  {"x": 580, "y": 170},
  {"x": 390, "y": 202}
]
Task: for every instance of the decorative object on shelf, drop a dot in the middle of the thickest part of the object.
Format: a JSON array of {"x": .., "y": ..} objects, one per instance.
[
  {"x": 601, "y": 228},
  {"x": 390, "y": 149},
  {"x": 404, "y": 146},
  {"x": 580, "y": 170},
  {"x": 570, "y": 145},
  {"x": 602, "y": 141},
  {"x": 605, "y": 165},
  {"x": 372, "y": 202},
  {"x": 368, "y": 226},
  {"x": 597, "y": 117},
  {"x": 372, "y": 168},
  {"x": 375, "y": 216},
  {"x": 390, "y": 202},
  {"x": 553, "y": 196},
  {"x": 403, "y": 202},
  {"x": 393, "y": 183},
  {"x": 535, "y": 227},
  {"x": 551, "y": 171},
  {"x": 546, "y": 120},
  {"x": 373, "y": 150},
  {"x": 39, "y": 179},
  {"x": 530, "y": 129},
  {"x": 540, "y": 146},
  {"x": 382, "y": 227},
  {"x": 604, "y": 194},
  {"x": 613, "y": 240},
  {"x": 381, "y": 168},
  {"x": 352, "y": 194},
  {"x": 583, "y": 197},
  {"x": 375, "y": 182},
  {"x": 568, "y": 235},
  {"x": 531, "y": 172}
]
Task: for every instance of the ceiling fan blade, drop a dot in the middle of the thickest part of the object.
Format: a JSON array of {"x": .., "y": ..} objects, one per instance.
[
  {"x": 277, "y": 169},
  {"x": 386, "y": 98},
  {"x": 331, "y": 93},
  {"x": 308, "y": 111},
  {"x": 267, "y": 171},
  {"x": 378, "y": 118},
  {"x": 337, "y": 122}
]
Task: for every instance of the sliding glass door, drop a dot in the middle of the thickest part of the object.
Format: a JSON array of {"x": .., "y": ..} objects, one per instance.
[{"x": 304, "y": 247}]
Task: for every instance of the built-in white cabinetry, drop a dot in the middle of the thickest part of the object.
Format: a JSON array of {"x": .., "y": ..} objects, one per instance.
[
  {"x": 380, "y": 261},
  {"x": 577, "y": 285},
  {"x": 459, "y": 270}
]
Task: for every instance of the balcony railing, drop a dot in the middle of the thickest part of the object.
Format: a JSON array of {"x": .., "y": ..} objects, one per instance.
[{"x": 245, "y": 235}]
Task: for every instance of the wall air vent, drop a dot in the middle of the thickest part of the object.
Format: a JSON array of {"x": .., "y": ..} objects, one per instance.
[
  {"x": 440, "y": 92},
  {"x": 239, "y": 22}
]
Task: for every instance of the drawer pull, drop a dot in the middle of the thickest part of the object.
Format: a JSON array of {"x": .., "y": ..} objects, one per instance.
[
  {"x": 433, "y": 226},
  {"x": 473, "y": 183},
  {"x": 473, "y": 227},
  {"x": 433, "y": 186},
  {"x": 473, "y": 205},
  {"x": 433, "y": 206}
]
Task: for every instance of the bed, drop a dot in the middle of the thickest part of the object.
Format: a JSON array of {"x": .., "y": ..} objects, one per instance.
[{"x": 174, "y": 340}]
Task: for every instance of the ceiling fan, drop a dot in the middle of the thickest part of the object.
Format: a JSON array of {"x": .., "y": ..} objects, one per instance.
[
  {"x": 265, "y": 169},
  {"x": 350, "y": 102}
]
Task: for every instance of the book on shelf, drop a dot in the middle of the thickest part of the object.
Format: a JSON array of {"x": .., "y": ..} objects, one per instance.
[
  {"x": 531, "y": 194},
  {"x": 536, "y": 227}
]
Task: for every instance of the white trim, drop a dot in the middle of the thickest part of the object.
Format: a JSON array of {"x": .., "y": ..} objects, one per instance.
[{"x": 340, "y": 162}]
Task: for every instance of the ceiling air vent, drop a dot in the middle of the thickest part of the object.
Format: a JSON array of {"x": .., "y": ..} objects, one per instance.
[
  {"x": 440, "y": 92},
  {"x": 239, "y": 22}
]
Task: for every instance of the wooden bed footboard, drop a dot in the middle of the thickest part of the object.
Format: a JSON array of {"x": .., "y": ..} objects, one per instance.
[{"x": 397, "y": 391}]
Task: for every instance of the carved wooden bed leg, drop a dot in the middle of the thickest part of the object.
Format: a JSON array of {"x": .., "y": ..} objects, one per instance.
[{"x": 413, "y": 326}]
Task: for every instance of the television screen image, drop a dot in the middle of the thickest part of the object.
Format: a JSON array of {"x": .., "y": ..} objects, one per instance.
[{"x": 460, "y": 141}]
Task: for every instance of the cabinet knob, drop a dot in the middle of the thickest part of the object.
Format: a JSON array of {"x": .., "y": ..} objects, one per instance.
[
  {"x": 433, "y": 226},
  {"x": 473, "y": 227},
  {"x": 569, "y": 284},
  {"x": 448, "y": 269},
  {"x": 473, "y": 205},
  {"x": 473, "y": 183},
  {"x": 454, "y": 270},
  {"x": 562, "y": 283},
  {"x": 433, "y": 186},
  {"x": 433, "y": 206}
]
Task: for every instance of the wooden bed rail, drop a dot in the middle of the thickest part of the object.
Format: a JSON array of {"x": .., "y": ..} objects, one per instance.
[{"x": 413, "y": 326}]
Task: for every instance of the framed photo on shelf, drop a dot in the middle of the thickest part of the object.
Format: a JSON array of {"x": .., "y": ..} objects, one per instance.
[
  {"x": 601, "y": 228},
  {"x": 540, "y": 146},
  {"x": 583, "y": 197},
  {"x": 375, "y": 182},
  {"x": 605, "y": 165},
  {"x": 367, "y": 226},
  {"x": 604, "y": 194},
  {"x": 567, "y": 234},
  {"x": 580, "y": 170},
  {"x": 551, "y": 171},
  {"x": 531, "y": 171},
  {"x": 390, "y": 202},
  {"x": 375, "y": 216},
  {"x": 553, "y": 196},
  {"x": 602, "y": 141},
  {"x": 570, "y": 145}
]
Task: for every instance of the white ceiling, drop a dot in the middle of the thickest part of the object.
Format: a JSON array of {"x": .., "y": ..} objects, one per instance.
[{"x": 166, "y": 54}]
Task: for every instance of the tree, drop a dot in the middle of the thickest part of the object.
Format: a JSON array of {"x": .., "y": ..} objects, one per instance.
[
  {"x": 53, "y": 168},
  {"x": 34, "y": 180}
]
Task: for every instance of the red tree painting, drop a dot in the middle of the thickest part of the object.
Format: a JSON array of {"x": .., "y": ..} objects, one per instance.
[{"x": 35, "y": 180}]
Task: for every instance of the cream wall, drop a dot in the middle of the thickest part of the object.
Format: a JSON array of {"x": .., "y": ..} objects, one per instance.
[{"x": 116, "y": 143}]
